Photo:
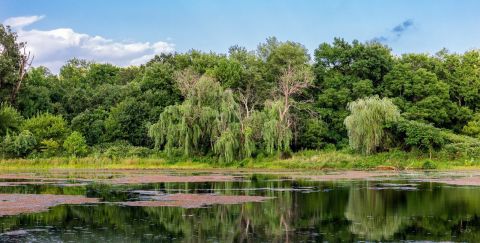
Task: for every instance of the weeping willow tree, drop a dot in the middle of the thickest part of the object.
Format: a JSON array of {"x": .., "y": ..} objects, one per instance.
[
  {"x": 211, "y": 120},
  {"x": 366, "y": 123},
  {"x": 208, "y": 120},
  {"x": 277, "y": 135}
]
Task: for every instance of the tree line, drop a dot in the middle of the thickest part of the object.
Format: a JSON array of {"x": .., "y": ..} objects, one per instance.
[{"x": 245, "y": 103}]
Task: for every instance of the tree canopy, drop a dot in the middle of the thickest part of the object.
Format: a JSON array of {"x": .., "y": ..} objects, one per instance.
[{"x": 241, "y": 104}]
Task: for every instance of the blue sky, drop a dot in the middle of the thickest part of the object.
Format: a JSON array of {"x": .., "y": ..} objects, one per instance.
[{"x": 180, "y": 25}]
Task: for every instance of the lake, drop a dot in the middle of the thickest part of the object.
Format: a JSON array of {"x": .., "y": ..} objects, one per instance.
[{"x": 179, "y": 206}]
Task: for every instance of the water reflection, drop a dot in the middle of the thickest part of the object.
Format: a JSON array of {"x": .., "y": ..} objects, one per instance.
[{"x": 301, "y": 211}]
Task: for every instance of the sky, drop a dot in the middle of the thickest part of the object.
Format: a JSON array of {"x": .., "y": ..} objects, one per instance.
[{"x": 131, "y": 32}]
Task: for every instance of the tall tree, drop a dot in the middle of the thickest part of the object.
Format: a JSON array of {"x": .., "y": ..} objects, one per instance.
[
  {"x": 366, "y": 123},
  {"x": 14, "y": 63},
  {"x": 345, "y": 72}
]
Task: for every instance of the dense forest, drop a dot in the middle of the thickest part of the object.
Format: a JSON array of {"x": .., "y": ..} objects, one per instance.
[{"x": 274, "y": 100}]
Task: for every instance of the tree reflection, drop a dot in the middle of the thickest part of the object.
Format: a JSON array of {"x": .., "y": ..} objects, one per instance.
[{"x": 332, "y": 211}]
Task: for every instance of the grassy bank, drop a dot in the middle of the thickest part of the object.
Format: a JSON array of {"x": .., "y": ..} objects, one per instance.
[{"x": 317, "y": 160}]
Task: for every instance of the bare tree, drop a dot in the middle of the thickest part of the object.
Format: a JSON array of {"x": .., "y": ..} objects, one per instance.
[
  {"x": 185, "y": 80},
  {"x": 25, "y": 62},
  {"x": 292, "y": 81},
  {"x": 248, "y": 100}
]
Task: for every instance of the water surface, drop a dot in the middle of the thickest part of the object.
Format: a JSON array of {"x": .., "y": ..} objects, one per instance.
[{"x": 300, "y": 210}]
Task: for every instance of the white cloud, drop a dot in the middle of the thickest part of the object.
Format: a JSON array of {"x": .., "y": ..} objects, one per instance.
[
  {"x": 18, "y": 22},
  {"x": 52, "y": 48}
]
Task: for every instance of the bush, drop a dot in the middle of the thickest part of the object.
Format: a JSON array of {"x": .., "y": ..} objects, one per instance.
[
  {"x": 91, "y": 123},
  {"x": 10, "y": 119},
  {"x": 413, "y": 134},
  {"x": 19, "y": 145},
  {"x": 75, "y": 144},
  {"x": 463, "y": 150},
  {"x": 312, "y": 134},
  {"x": 49, "y": 147},
  {"x": 429, "y": 165},
  {"x": 47, "y": 126},
  {"x": 473, "y": 127},
  {"x": 122, "y": 149}
]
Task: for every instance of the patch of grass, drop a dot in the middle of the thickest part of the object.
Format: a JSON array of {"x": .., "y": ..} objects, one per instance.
[{"x": 302, "y": 160}]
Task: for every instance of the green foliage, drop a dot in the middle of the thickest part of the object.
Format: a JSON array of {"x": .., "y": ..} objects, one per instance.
[
  {"x": 199, "y": 122},
  {"x": 127, "y": 121},
  {"x": 312, "y": 132},
  {"x": 420, "y": 135},
  {"x": 419, "y": 93},
  {"x": 209, "y": 120},
  {"x": 346, "y": 72},
  {"x": 279, "y": 55},
  {"x": 367, "y": 121},
  {"x": 75, "y": 144},
  {"x": 10, "y": 119},
  {"x": 91, "y": 123},
  {"x": 47, "y": 126},
  {"x": 121, "y": 149},
  {"x": 429, "y": 165},
  {"x": 467, "y": 150},
  {"x": 10, "y": 59},
  {"x": 276, "y": 134},
  {"x": 101, "y": 73},
  {"x": 473, "y": 127},
  {"x": 49, "y": 147},
  {"x": 19, "y": 145},
  {"x": 158, "y": 89},
  {"x": 38, "y": 89},
  {"x": 247, "y": 103}
]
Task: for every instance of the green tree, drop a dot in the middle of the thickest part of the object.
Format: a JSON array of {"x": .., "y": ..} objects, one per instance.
[
  {"x": 91, "y": 123},
  {"x": 75, "y": 144},
  {"x": 158, "y": 89},
  {"x": 473, "y": 127},
  {"x": 279, "y": 55},
  {"x": 47, "y": 126},
  {"x": 367, "y": 121},
  {"x": 37, "y": 92},
  {"x": 49, "y": 147},
  {"x": 101, "y": 74},
  {"x": 419, "y": 93},
  {"x": 280, "y": 120},
  {"x": 10, "y": 119},
  {"x": 207, "y": 121},
  {"x": 127, "y": 121},
  {"x": 14, "y": 62},
  {"x": 345, "y": 72},
  {"x": 19, "y": 145}
]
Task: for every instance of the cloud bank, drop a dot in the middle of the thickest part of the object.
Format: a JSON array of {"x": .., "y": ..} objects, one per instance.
[
  {"x": 396, "y": 32},
  {"x": 52, "y": 48}
]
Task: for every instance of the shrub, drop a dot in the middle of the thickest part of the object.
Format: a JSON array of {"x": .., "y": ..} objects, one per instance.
[
  {"x": 413, "y": 134},
  {"x": 46, "y": 126},
  {"x": 49, "y": 147},
  {"x": 75, "y": 144},
  {"x": 473, "y": 127},
  {"x": 465, "y": 150},
  {"x": 313, "y": 133},
  {"x": 10, "y": 119},
  {"x": 91, "y": 123},
  {"x": 7, "y": 148},
  {"x": 429, "y": 165},
  {"x": 122, "y": 149},
  {"x": 19, "y": 145}
]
